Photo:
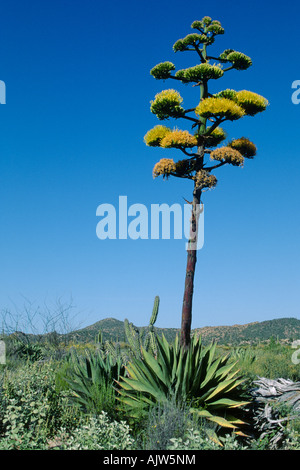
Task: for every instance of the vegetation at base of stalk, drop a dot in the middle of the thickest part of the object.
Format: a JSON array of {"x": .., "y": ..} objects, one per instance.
[{"x": 209, "y": 384}]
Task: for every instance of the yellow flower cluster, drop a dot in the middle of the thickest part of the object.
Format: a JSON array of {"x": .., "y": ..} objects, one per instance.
[
  {"x": 154, "y": 136},
  {"x": 167, "y": 104},
  {"x": 244, "y": 146},
  {"x": 178, "y": 139},
  {"x": 251, "y": 102},
  {"x": 162, "y": 136},
  {"x": 170, "y": 95},
  {"x": 228, "y": 155},
  {"x": 203, "y": 179},
  {"x": 219, "y": 107},
  {"x": 164, "y": 167}
]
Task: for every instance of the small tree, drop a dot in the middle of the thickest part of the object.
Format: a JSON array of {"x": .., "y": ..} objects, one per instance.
[{"x": 206, "y": 134}]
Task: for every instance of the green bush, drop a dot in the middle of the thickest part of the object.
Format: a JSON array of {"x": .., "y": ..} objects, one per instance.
[
  {"x": 195, "y": 440},
  {"x": 164, "y": 421},
  {"x": 272, "y": 361},
  {"x": 31, "y": 409},
  {"x": 96, "y": 433}
]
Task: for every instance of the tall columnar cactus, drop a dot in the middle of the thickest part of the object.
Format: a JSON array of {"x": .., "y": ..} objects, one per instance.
[
  {"x": 145, "y": 337},
  {"x": 150, "y": 338},
  {"x": 133, "y": 337},
  {"x": 154, "y": 311},
  {"x": 99, "y": 339},
  {"x": 205, "y": 117}
]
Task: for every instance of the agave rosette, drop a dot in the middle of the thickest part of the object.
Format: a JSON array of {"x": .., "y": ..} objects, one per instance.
[{"x": 208, "y": 383}]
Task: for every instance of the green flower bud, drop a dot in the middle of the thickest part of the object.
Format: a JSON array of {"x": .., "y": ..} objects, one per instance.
[
  {"x": 162, "y": 71},
  {"x": 200, "y": 72},
  {"x": 239, "y": 60}
]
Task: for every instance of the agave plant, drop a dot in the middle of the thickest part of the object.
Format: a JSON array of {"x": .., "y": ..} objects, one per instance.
[
  {"x": 91, "y": 380},
  {"x": 209, "y": 384}
]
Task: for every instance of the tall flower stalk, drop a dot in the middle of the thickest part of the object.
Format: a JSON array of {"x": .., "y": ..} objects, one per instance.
[{"x": 200, "y": 146}]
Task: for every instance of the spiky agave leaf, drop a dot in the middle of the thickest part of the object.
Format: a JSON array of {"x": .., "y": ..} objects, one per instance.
[
  {"x": 92, "y": 375},
  {"x": 195, "y": 375}
]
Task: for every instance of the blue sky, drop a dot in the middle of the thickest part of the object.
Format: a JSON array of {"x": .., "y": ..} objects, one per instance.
[{"x": 78, "y": 93}]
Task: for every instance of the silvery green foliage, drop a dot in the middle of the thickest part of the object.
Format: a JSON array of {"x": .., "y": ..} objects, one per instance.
[
  {"x": 194, "y": 440},
  {"x": 96, "y": 433}
]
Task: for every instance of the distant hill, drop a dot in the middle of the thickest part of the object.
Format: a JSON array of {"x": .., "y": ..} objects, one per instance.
[
  {"x": 287, "y": 329},
  {"x": 281, "y": 329}
]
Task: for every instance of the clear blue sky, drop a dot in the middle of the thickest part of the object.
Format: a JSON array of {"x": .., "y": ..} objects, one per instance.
[{"x": 78, "y": 93}]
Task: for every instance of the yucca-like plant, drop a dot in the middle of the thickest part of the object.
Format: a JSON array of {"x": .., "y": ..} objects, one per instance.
[
  {"x": 209, "y": 384},
  {"x": 205, "y": 117},
  {"x": 91, "y": 379}
]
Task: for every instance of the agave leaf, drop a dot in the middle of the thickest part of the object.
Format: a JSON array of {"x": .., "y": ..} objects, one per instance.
[
  {"x": 154, "y": 365},
  {"x": 140, "y": 372},
  {"x": 164, "y": 347},
  {"x": 216, "y": 419},
  {"x": 201, "y": 412},
  {"x": 179, "y": 368},
  {"x": 78, "y": 386},
  {"x": 222, "y": 387},
  {"x": 234, "y": 420},
  {"x": 227, "y": 403},
  {"x": 235, "y": 384},
  {"x": 211, "y": 372},
  {"x": 224, "y": 370},
  {"x": 165, "y": 355},
  {"x": 138, "y": 386},
  {"x": 124, "y": 385},
  {"x": 214, "y": 390},
  {"x": 241, "y": 433},
  {"x": 211, "y": 350},
  {"x": 222, "y": 422},
  {"x": 213, "y": 437}
]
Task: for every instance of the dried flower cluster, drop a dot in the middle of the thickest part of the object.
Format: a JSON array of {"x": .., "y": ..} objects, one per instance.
[
  {"x": 244, "y": 146},
  {"x": 164, "y": 168},
  {"x": 227, "y": 155},
  {"x": 203, "y": 179}
]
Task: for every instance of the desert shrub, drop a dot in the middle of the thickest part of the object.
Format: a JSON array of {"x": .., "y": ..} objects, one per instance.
[
  {"x": 164, "y": 421},
  {"x": 194, "y": 439},
  {"x": 292, "y": 439},
  {"x": 31, "y": 409},
  {"x": 96, "y": 433}
]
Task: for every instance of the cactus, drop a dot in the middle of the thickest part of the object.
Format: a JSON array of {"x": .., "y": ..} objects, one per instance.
[
  {"x": 154, "y": 311},
  {"x": 133, "y": 337},
  {"x": 99, "y": 339},
  {"x": 145, "y": 337}
]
